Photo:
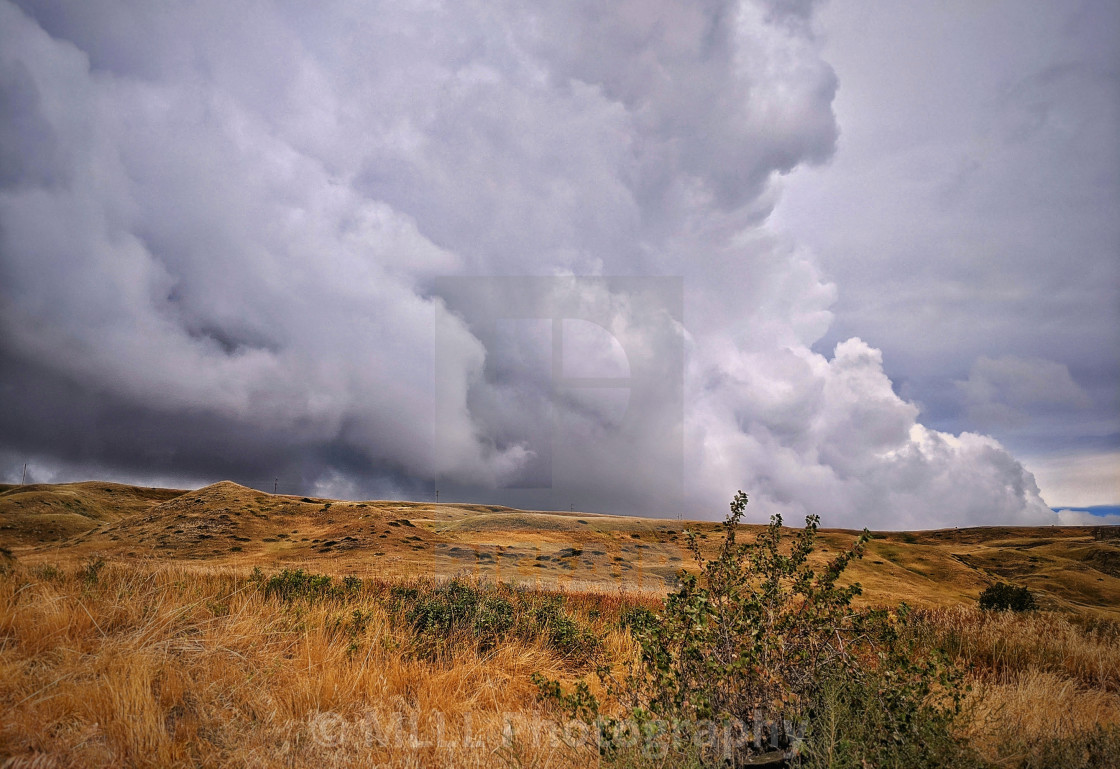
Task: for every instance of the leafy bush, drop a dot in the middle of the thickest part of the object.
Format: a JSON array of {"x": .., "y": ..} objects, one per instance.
[
  {"x": 560, "y": 631},
  {"x": 1002, "y": 597},
  {"x": 895, "y": 710},
  {"x": 458, "y": 606},
  {"x": 759, "y": 639},
  {"x": 750, "y": 634}
]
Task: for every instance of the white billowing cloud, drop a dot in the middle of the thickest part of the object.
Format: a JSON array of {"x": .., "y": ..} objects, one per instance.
[
  {"x": 831, "y": 437},
  {"x": 235, "y": 217}
]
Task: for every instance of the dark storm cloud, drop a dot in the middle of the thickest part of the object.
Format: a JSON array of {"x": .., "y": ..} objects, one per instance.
[
  {"x": 89, "y": 433},
  {"x": 223, "y": 230}
]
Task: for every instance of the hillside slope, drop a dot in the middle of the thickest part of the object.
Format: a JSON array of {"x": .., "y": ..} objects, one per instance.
[
  {"x": 227, "y": 525},
  {"x": 38, "y": 513}
]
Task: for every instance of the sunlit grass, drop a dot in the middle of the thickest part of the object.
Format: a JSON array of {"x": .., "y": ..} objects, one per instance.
[{"x": 162, "y": 666}]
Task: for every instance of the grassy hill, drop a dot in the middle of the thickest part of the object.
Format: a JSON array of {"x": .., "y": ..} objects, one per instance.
[
  {"x": 225, "y": 524},
  {"x": 135, "y": 632},
  {"x": 39, "y": 513}
]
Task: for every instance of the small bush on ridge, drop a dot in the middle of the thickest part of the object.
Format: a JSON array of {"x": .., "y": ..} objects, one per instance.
[{"x": 1003, "y": 597}]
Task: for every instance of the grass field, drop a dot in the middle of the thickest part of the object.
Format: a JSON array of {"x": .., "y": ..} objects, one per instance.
[{"x": 139, "y": 635}]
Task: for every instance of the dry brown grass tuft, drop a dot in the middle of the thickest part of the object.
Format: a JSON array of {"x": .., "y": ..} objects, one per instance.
[
  {"x": 1005, "y": 644},
  {"x": 168, "y": 667},
  {"x": 1037, "y": 704},
  {"x": 157, "y": 665},
  {"x": 1038, "y": 678}
]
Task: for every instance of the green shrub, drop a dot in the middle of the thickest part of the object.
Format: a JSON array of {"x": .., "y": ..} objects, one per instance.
[
  {"x": 351, "y": 626},
  {"x": 442, "y": 613},
  {"x": 560, "y": 631},
  {"x": 896, "y": 710},
  {"x": 459, "y": 606},
  {"x": 296, "y": 584},
  {"x": 1002, "y": 597},
  {"x": 760, "y": 641},
  {"x": 750, "y": 633}
]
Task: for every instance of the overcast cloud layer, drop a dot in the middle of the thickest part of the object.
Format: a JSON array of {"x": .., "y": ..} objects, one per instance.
[
  {"x": 971, "y": 217},
  {"x": 225, "y": 230}
]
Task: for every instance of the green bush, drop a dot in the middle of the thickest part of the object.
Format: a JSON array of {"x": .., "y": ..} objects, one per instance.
[
  {"x": 1004, "y": 597},
  {"x": 760, "y": 640},
  {"x": 442, "y": 613},
  {"x": 296, "y": 584},
  {"x": 458, "y": 606},
  {"x": 894, "y": 711},
  {"x": 748, "y": 635},
  {"x": 550, "y": 621}
]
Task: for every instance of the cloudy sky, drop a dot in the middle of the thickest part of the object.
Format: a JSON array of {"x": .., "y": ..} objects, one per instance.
[{"x": 860, "y": 259}]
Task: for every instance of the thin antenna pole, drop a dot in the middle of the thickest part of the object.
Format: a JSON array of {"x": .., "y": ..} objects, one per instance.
[
  {"x": 275, "y": 481},
  {"x": 23, "y": 480},
  {"x": 437, "y": 496}
]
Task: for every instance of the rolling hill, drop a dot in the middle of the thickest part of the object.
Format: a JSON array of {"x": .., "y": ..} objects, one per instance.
[{"x": 226, "y": 525}]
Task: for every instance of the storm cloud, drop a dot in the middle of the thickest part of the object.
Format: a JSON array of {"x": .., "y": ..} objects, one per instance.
[{"x": 227, "y": 233}]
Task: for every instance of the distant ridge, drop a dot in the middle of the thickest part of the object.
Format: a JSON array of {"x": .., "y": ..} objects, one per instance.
[{"x": 229, "y": 526}]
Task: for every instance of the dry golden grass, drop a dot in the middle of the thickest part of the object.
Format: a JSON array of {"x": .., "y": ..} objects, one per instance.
[
  {"x": 162, "y": 666},
  {"x": 1033, "y": 706},
  {"x": 171, "y": 657},
  {"x": 168, "y": 667},
  {"x": 1005, "y": 645},
  {"x": 165, "y": 666},
  {"x": 1035, "y": 677}
]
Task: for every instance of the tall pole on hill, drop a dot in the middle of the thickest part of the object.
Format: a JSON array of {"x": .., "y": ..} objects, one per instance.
[
  {"x": 274, "y": 482},
  {"x": 23, "y": 480}
]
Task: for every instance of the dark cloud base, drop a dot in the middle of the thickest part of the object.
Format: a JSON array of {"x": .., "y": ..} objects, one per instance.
[{"x": 60, "y": 422}]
